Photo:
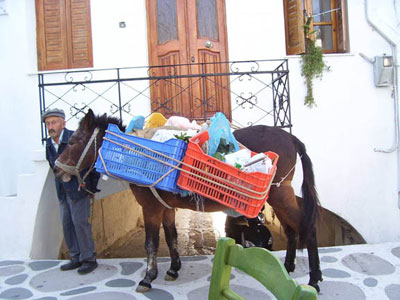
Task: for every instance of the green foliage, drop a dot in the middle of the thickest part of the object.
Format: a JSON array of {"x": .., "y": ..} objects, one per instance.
[
  {"x": 312, "y": 64},
  {"x": 183, "y": 136},
  {"x": 220, "y": 156},
  {"x": 224, "y": 148}
]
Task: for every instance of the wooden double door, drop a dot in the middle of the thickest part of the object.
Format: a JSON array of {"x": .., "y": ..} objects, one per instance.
[{"x": 187, "y": 38}]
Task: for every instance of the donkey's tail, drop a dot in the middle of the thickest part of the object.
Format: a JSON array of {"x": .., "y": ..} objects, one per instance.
[{"x": 310, "y": 196}]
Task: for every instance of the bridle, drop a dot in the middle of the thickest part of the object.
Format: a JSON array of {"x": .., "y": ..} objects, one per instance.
[{"x": 74, "y": 170}]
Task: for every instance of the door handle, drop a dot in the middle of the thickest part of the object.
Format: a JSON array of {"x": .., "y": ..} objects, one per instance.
[{"x": 208, "y": 44}]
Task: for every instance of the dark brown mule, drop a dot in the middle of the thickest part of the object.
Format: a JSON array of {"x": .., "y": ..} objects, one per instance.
[{"x": 295, "y": 218}]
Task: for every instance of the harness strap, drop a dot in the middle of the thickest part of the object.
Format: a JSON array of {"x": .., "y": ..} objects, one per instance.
[
  {"x": 158, "y": 197},
  {"x": 92, "y": 139}
]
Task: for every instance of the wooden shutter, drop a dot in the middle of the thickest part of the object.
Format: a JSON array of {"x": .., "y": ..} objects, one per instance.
[
  {"x": 51, "y": 33},
  {"x": 294, "y": 20},
  {"x": 79, "y": 34},
  {"x": 341, "y": 21},
  {"x": 63, "y": 34}
]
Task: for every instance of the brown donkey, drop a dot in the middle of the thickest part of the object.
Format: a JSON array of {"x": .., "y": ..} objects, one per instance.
[{"x": 298, "y": 220}]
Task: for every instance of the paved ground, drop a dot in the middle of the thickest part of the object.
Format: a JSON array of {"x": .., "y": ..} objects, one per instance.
[{"x": 350, "y": 272}]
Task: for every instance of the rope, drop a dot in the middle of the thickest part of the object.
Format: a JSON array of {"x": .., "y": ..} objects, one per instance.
[
  {"x": 278, "y": 184},
  {"x": 326, "y": 12},
  {"x": 152, "y": 189},
  {"x": 176, "y": 167},
  {"x": 200, "y": 200},
  {"x": 262, "y": 194},
  {"x": 158, "y": 180},
  {"x": 158, "y": 197}
]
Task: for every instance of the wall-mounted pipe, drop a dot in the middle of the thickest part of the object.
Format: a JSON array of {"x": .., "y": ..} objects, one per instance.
[{"x": 393, "y": 46}]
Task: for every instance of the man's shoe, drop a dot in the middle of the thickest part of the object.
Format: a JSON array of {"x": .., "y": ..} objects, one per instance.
[
  {"x": 70, "y": 265},
  {"x": 87, "y": 267}
]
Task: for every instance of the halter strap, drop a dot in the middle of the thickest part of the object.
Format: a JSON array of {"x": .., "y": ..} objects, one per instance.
[{"x": 74, "y": 170}]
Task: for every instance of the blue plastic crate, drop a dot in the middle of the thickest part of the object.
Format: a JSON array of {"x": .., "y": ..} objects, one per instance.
[{"x": 129, "y": 162}]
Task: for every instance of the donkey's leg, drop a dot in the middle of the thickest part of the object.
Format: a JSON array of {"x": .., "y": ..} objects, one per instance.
[
  {"x": 171, "y": 237},
  {"x": 290, "y": 259},
  {"x": 152, "y": 222},
  {"x": 313, "y": 260},
  {"x": 289, "y": 213}
]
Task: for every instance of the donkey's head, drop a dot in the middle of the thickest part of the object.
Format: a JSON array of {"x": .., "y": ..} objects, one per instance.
[{"x": 81, "y": 151}]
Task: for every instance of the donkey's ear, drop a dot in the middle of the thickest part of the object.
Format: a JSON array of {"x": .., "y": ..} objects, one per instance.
[
  {"x": 88, "y": 120},
  {"x": 90, "y": 113}
]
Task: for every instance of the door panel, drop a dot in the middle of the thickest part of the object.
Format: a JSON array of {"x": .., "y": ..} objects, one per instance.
[
  {"x": 194, "y": 33},
  {"x": 207, "y": 46},
  {"x": 167, "y": 48},
  {"x": 207, "y": 19},
  {"x": 167, "y": 26},
  {"x": 166, "y": 93}
]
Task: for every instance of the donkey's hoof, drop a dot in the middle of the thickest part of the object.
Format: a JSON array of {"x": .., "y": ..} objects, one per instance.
[
  {"x": 290, "y": 267},
  {"x": 171, "y": 275},
  {"x": 143, "y": 287},
  {"x": 315, "y": 285}
]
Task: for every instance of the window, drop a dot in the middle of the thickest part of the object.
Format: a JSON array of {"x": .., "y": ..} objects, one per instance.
[
  {"x": 329, "y": 24},
  {"x": 64, "y": 38}
]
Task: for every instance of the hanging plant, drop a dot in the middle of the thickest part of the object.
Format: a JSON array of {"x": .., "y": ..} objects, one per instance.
[{"x": 312, "y": 63}]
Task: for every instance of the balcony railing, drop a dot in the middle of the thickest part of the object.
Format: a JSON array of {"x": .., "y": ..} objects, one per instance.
[{"x": 257, "y": 91}]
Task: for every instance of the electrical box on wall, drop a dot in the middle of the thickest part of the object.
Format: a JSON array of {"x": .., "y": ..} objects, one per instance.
[{"x": 383, "y": 70}]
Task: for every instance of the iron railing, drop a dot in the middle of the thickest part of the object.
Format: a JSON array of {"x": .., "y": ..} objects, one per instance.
[{"x": 258, "y": 91}]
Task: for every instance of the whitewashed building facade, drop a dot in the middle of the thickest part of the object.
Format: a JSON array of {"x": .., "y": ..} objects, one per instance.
[{"x": 351, "y": 134}]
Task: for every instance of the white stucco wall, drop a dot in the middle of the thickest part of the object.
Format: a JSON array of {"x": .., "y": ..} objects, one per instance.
[
  {"x": 352, "y": 117},
  {"x": 114, "y": 46},
  {"x": 19, "y": 108}
]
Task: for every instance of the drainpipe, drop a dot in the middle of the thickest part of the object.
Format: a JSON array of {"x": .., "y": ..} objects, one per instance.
[{"x": 393, "y": 46}]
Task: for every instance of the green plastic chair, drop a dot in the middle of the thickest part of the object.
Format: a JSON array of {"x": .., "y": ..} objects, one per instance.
[{"x": 259, "y": 263}]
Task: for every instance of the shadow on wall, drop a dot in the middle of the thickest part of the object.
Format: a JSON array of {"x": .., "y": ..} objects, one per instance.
[
  {"x": 113, "y": 217},
  {"x": 332, "y": 230},
  {"x": 48, "y": 228}
]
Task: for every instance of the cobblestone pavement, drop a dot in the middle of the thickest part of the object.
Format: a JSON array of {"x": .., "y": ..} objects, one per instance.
[{"x": 354, "y": 272}]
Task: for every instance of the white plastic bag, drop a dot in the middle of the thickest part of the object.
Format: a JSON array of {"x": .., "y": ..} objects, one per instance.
[
  {"x": 238, "y": 158},
  {"x": 182, "y": 123},
  {"x": 258, "y": 163},
  {"x": 163, "y": 135},
  {"x": 243, "y": 160}
]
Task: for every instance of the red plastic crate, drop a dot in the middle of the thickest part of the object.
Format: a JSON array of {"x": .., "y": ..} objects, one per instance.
[{"x": 205, "y": 175}]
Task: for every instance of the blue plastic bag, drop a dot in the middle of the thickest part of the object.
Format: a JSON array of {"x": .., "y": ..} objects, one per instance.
[
  {"x": 136, "y": 123},
  {"x": 220, "y": 129}
]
